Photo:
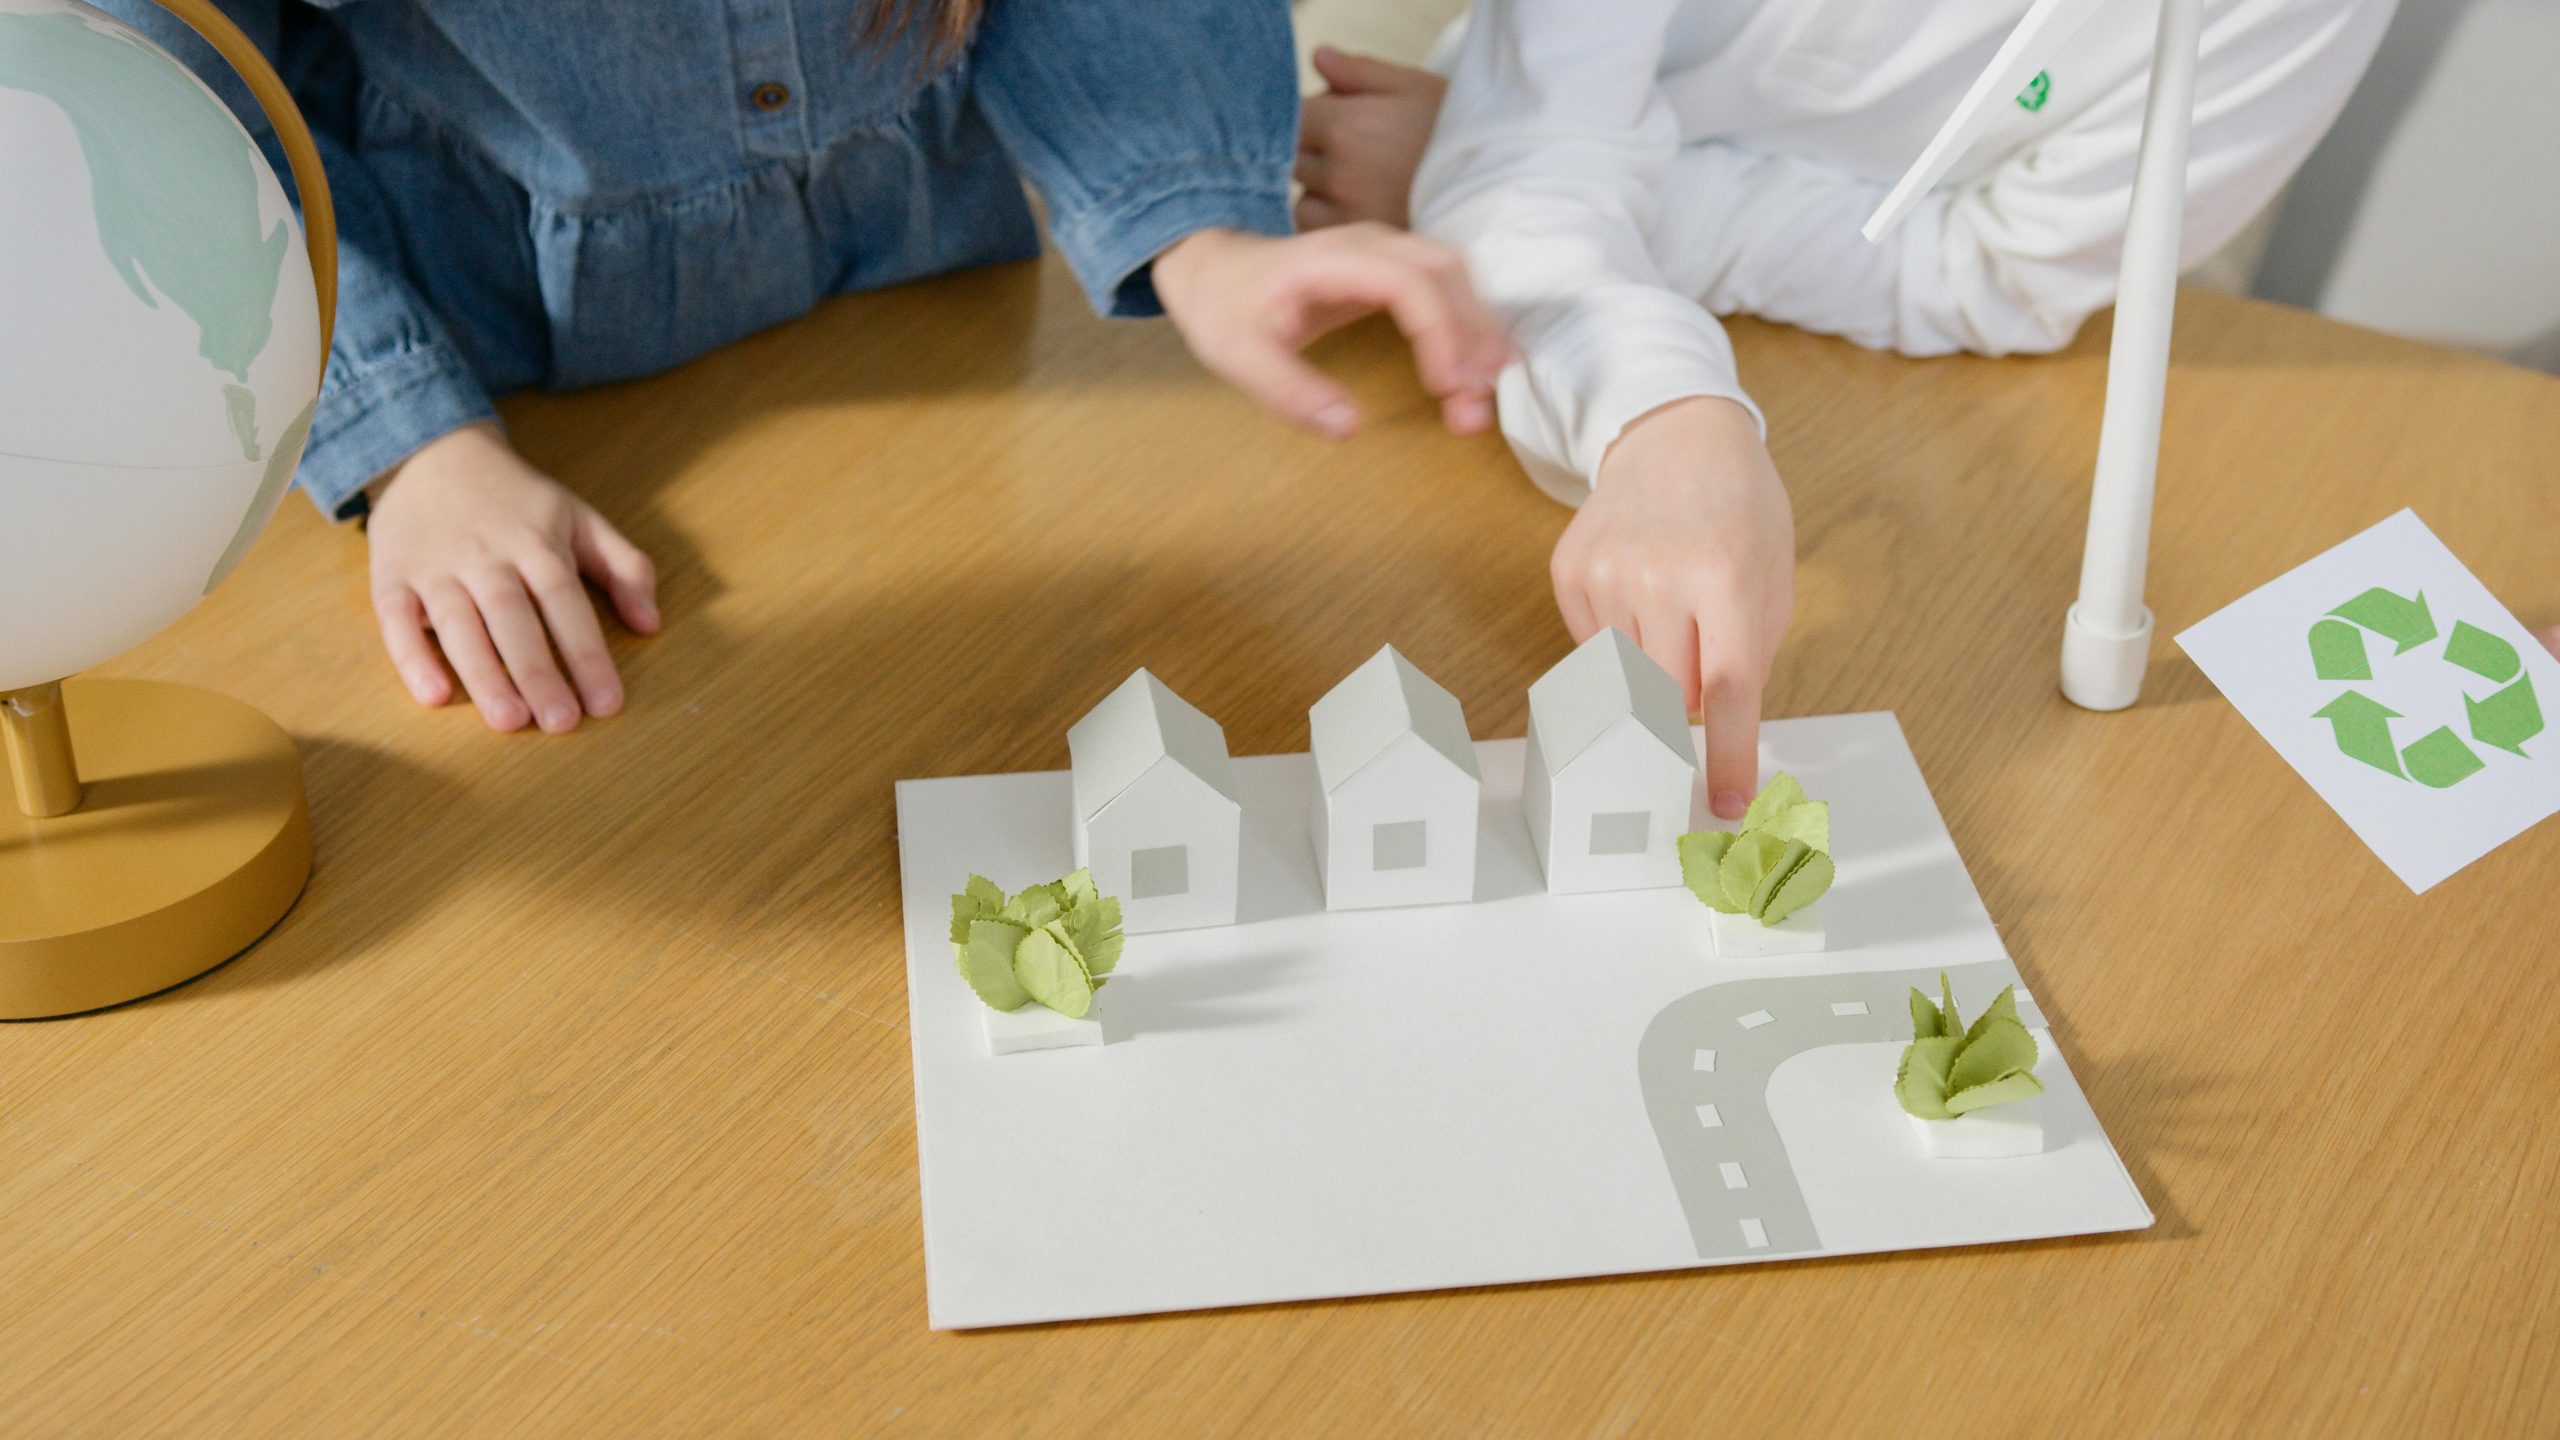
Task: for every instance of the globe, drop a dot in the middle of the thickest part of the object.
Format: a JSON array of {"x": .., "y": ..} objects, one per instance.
[{"x": 160, "y": 340}]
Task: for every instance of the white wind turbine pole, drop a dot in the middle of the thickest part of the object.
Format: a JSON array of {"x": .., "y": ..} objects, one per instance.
[{"x": 2106, "y": 637}]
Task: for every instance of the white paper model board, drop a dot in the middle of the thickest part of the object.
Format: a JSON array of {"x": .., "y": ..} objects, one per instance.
[{"x": 1317, "y": 1103}]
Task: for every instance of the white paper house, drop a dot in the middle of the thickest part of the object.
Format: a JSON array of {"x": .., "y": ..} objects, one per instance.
[
  {"x": 1397, "y": 796},
  {"x": 1610, "y": 769},
  {"x": 1158, "y": 815}
]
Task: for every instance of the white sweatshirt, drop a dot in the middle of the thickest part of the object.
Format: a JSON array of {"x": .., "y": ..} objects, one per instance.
[{"x": 1619, "y": 172}]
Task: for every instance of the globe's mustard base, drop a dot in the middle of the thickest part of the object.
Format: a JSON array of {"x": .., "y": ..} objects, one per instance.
[{"x": 193, "y": 840}]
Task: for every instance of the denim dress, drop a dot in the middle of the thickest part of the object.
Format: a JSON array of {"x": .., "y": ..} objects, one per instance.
[{"x": 564, "y": 192}]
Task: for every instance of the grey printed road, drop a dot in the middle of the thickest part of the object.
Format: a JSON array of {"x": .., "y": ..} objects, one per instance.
[{"x": 1705, "y": 1063}]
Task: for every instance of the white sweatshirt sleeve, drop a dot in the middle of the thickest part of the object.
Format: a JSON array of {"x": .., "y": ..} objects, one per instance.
[
  {"x": 1551, "y": 154},
  {"x": 2016, "y": 259},
  {"x": 1558, "y": 167}
]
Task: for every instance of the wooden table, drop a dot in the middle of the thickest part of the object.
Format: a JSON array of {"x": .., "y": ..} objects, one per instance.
[{"x": 574, "y": 1098}]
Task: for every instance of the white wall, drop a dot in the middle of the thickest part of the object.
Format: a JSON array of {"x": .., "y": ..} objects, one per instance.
[{"x": 2433, "y": 208}]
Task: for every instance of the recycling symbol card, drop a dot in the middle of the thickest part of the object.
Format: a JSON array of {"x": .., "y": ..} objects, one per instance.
[{"x": 2395, "y": 683}]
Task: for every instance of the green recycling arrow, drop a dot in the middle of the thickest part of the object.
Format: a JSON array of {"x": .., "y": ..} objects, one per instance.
[
  {"x": 2482, "y": 653},
  {"x": 2405, "y": 623},
  {"x": 2440, "y": 759},
  {"x": 2506, "y": 719},
  {"x": 2363, "y": 726},
  {"x": 2337, "y": 651}
]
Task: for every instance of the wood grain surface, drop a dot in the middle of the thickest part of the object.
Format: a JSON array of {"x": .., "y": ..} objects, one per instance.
[{"x": 574, "y": 1098}]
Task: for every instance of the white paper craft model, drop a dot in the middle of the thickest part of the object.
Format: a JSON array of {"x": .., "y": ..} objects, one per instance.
[
  {"x": 1610, "y": 769},
  {"x": 1036, "y": 1027},
  {"x": 1739, "y": 937},
  {"x": 2000, "y": 1132},
  {"x": 1526, "y": 1087},
  {"x": 1158, "y": 816},
  {"x": 1397, "y": 796}
]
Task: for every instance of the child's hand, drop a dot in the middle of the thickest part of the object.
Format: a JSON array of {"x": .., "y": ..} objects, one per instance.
[
  {"x": 2550, "y": 640},
  {"x": 1247, "y": 304},
  {"x": 474, "y": 544},
  {"x": 1687, "y": 544},
  {"x": 1360, "y": 142}
]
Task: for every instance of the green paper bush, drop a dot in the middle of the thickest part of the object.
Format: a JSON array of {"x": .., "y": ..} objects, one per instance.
[
  {"x": 1953, "y": 1069},
  {"x": 1053, "y": 944},
  {"x": 1778, "y": 863}
]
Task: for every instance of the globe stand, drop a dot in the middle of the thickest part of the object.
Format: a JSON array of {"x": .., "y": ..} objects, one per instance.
[{"x": 180, "y": 838}]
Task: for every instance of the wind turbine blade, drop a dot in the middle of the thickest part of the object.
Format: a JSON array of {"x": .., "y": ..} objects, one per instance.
[{"x": 2029, "y": 48}]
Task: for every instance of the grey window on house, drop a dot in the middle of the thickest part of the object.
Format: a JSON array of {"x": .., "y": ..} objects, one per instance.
[
  {"x": 1398, "y": 845},
  {"x": 1158, "y": 872},
  {"x": 1621, "y": 832}
]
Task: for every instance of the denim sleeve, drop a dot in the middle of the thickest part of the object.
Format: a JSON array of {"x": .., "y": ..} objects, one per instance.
[
  {"x": 395, "y": 380},
  {"x": 1141, "y": 121}
]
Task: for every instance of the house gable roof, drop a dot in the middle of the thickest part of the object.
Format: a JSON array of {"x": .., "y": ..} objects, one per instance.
[
  {"x": 1136, "y": 726},
  {"x": 1374, "y": 706},
  {"x": 1605, "y": 680}
]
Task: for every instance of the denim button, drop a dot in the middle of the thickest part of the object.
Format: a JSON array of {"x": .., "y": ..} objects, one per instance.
[{"x": 772, "y": 95}]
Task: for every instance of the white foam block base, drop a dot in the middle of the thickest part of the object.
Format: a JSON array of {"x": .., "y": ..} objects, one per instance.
[
  {"x": 1997, "y": 1133},
  {"x": 1739, "y": 937},
  {"x": 1037, "y": 1027}
]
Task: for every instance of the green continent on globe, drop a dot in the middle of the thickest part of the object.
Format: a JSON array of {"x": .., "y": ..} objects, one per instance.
[
  {"x": 280, "y": 464},
  {"x": 173, "y": 182}
]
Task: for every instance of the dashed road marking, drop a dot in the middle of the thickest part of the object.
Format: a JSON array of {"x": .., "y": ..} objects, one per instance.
[
  {"x": 1754, "y": 1234},
  {"x": 1708, "y": 1118},
  {"x": 1705, "y": 1061},
  {"x": 1848, "y": 1007},
  {"x": 1755, "y": 1020},
  {"x": 1732, "y": 1172}
]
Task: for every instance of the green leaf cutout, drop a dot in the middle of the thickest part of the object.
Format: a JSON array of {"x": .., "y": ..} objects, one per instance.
[
  {"x": 1078, "y": 888},
  {"x": 1809, "y": 822},
  {"x": 1945, "y": 1074},
  {"x": 2004, "y": 1006},
  {"x": 1746, "y": 863},
  {"x": 1783, "y": 792},
  {"x": 1052, "y": 974},
  {"x": 1791, "y": 857},
  {"x": 1701, "y": 861},
  {"x": 2014, "y": 1085},
  {"x": 1921, "y": 1083},
  {"x": 981, "y": 901},
  {"x": 1037, "y": 905},
  {"x": 1781, "y": 809},
  {"x": 1804, "y": 885},
  {"x": 1993, "y": 1048},
  {"x": 986, "y": 962},
  {"x": 1102, "y": 952},
  {"x": 1777, "y": 863},
  {"x": 1051, "y": 943}
]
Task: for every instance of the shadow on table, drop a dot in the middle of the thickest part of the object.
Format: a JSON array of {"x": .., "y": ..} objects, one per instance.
[
  {"x": 2157, "y": 1104},
  {"x": 748, "y": 792},
  {"x": 347, "y": 907},
  {"x": 1001, "y": 329},
  {"x": 1223, "y": 994},
  {"x": 2173, "y": 679}
]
